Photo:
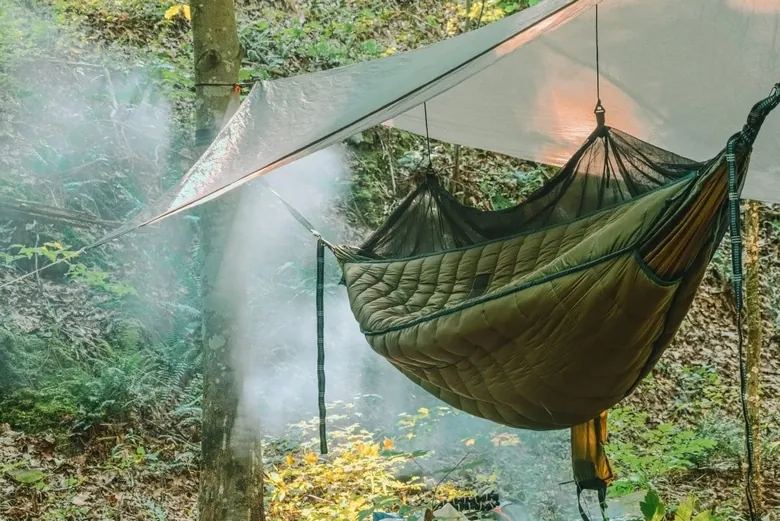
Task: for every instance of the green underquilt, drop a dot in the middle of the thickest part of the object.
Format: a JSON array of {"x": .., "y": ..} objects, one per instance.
[{"x": 522, "y": 352}]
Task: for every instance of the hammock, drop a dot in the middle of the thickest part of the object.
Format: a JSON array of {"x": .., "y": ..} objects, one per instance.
[{"x": 546, "y": 314}]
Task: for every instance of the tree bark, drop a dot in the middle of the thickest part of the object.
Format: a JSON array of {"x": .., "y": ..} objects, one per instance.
[
  {"x": 231, "y": 479},
  {"x": 755, "y": 339}
]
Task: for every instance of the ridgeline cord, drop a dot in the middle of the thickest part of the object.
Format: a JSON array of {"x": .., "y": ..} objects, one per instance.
[
  {"x": 427, "y": 135},
  {"x": 599, "y": 110},
  {"x": 598, "y": 70}
]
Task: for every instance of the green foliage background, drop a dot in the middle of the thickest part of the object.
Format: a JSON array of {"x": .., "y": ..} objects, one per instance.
[{"x": 96, "y": 117}]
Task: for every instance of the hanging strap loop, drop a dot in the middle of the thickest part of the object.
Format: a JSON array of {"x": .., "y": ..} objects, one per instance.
[
  {"x": 321, "y": 344},
  {"x": 602, "y": 495}
]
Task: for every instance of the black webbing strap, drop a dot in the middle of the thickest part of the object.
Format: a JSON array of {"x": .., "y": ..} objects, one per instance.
[
  {"x": 746, "y": 137},
  {"x": 320, "y": 291},
  {"x": 602, "y": 494},
  {"x": 321, "y": 342}
]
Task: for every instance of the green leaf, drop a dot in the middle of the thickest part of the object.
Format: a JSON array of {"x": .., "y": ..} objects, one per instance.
[
  {"x": 371, "y": 47},
  {"x": 652, "y": 507},
  {"x": 26, "y": 476},
  {"x": 704, "y": 516},
  {"x": 246, "y": 74},
  {"x": 685, "y": 510}
]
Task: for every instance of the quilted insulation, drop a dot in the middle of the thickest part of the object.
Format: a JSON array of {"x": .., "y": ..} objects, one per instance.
[{"x": 562, "y": 330}]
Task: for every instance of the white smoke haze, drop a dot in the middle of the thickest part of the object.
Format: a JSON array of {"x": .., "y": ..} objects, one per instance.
[
  {"x": 272, "y": 258},
  {"x": 279, "y": 326},
  {"x": 86, "y": 129},
  {"x": 277, "y": 355}
]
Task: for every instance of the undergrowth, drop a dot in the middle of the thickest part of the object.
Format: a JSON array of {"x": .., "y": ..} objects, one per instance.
[
  {"x": 112, "y": 130},
  {"x": 51, "y": 387}
]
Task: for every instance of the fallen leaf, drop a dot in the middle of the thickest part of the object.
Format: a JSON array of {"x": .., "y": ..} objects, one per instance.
[
  {"x": 26, "y": 476},
  {"x": 172, "y": 11},
  {"x": 81, "y": 500}
]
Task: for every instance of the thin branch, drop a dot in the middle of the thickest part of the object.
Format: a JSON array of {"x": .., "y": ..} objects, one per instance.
[{"x": 15, "y": 209}]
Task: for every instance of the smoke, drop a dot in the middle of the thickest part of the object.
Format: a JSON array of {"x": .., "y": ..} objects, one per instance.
[
  {"x": 99, "y": 140},
  {"x": 278, "y": 358},
  {"x": 88, "y": 130}
]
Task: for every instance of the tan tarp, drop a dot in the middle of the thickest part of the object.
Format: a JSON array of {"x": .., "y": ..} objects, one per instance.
[{"x": 680, "y": 75}]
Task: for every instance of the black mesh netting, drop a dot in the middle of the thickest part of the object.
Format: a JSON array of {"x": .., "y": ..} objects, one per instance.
[{"x": 610, "y": 168}]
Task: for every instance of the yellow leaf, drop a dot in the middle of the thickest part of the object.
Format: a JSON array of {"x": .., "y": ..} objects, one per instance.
[
  {"x": 422, "y": 410},
  {"x": 470, "y": 442},
  {"x": 289, "y": 460},
  {"x": 310, "y": 458},
  {"x": 185, "y": 9},
  {"x": 388, "y": 444},
  {"x": 410, "y": 435},
  {"x": 367, "y": 449},
  {"x": 172, "y": 11}
]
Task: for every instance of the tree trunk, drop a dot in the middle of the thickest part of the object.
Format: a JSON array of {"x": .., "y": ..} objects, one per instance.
[
  {"x": 231, "y": 479},
  {"x": 755, "y": 339}
]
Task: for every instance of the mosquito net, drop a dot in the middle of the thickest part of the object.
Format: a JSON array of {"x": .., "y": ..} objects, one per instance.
[{"x": 610, "y": 168}]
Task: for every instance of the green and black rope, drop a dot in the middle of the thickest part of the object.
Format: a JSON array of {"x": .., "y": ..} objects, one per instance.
[
  {"x": 746, "y": 137},
  {"x": 321, "y": 343}
]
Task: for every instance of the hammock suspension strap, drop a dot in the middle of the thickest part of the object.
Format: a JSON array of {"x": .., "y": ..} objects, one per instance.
[
  {"x": 319, "y": 302},
  {"x": 736, "y": 271},
  {"x": 746, "y": 137},
  {"x": 321, "y": 344}
]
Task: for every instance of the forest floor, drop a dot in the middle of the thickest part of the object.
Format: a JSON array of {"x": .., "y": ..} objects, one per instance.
[
  {"x": 116, "y": 473},
  {"x": 100, "y": 383}
]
